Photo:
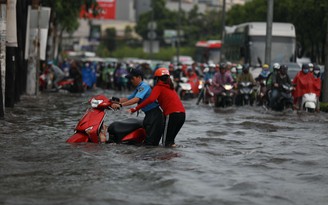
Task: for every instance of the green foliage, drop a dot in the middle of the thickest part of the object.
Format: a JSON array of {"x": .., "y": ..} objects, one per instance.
[
  {"x": 110, "y": 39},
  {"x": 196, "y": 26},
  {"x": 102, "y": 51},
  {"x": 324, "y": 107},
  {"x": 252, "y": 11},
  {"x": 65, "y": 14}
]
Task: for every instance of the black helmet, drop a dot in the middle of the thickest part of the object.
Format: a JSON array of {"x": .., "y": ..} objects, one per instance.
[
  {"x": 246, "y": 67},
  {"x": 284, "y": 67},
  {"x": 305, "y": 68},
  {"x": 222, "y": 65},
  {"x": 316, "y": 69}
]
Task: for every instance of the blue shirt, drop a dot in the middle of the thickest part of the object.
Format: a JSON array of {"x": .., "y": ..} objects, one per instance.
[{"x": 142, "y": 92}]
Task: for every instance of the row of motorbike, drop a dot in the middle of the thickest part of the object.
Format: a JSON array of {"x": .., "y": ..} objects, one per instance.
[{"x": 246, "y": 93}]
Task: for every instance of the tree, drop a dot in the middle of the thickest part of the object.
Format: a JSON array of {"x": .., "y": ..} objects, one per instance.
[
  {"x": 252, "y": 11},
  {"x": 163, "y": 17},
  {"x": 128, "y": 33},
  {"x": 65, "y": 15},
  {"x": 110, "y": 39},
  {"x": 194, "y": 24}
]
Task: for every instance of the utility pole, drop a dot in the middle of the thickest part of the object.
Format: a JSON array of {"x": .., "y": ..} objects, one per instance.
[
  {"x": 38, "y": 50},
  {"x": 32, "y": 85},
  {"x": 269, "y": 32},
  {"x": 178, "y": 37},
  {"x": 11, "y": 44},
  {"x": 2, "y": 110},
  {"x": 222, "y": 28},
  {"x": 3, "y": 22},
  {"x": 152, "y": 30}
]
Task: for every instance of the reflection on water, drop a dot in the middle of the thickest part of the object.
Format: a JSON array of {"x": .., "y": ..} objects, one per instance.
[{"x": 243, "y": 155}]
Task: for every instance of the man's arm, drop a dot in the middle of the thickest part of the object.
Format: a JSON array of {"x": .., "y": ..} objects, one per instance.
[{"x": 125, "y": 102}]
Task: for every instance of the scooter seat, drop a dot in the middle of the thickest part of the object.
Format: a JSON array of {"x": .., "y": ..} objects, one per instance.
[{"x": 119, "y": 129}]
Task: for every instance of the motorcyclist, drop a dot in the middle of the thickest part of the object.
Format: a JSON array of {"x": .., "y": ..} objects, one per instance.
[
  {"x": 208, "y": 76},
  {"x": 178, "y": 73},
  {"x": 264, "y": 73},
  {"x": 277, "y": 81},
  {"x": 316, "y": 71},
  {"x": 306, "y": 82},
  {"x": 272, "y": 75},
  {"x": 221, "y": 78},
  {"x": 210, "y": 73},
  {"x": 245, "y": 76},
  {"x": 239, "y": 69},
  {"x": 301, "y": 81},
  {"x": 193, "y": 79},
  {"x": 197, "y": 71},
  {"x": 233, "y": 72},
  {"x": 261, "y": 80}
]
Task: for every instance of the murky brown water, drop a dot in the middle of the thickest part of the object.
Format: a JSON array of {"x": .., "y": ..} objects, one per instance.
[{"x": 233, "y": 156}]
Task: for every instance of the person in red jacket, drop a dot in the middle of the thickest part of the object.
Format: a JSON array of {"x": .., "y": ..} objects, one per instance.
[{"x": 173, "y": 109}]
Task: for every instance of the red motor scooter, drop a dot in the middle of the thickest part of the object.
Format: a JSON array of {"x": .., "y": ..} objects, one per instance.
[{"x": 91, "y": 126}]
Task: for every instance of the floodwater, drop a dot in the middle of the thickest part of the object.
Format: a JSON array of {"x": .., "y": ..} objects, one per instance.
[{"x": 227, "y": 156}]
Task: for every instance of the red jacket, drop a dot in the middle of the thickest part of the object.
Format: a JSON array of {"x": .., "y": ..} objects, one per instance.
[
  {"x": 168, "y": 99},
  {"x": 306, "y": 83}
]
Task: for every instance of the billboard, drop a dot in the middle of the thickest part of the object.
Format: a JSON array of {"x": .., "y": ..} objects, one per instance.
[{"x": 107, "y": 10}]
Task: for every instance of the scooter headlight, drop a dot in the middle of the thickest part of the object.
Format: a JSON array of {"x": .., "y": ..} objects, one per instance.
[
  {"x": 94, "y": 103},
  {"x": 88, "y": 130}
]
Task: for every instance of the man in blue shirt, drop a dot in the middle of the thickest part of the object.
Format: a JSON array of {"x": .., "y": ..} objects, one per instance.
[{"x": 154, "y": 120}]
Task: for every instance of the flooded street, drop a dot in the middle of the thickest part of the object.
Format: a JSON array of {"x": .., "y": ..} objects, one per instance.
[{"x": 228, "y": 156}]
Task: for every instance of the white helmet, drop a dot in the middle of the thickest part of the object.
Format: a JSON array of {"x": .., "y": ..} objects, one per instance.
[
  {"x": 276, "y": 66},
  {"x": 211, "y": 65},
  {"x": 311, "y": 67}
]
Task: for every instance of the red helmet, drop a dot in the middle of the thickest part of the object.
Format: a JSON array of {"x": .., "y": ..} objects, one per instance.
[{"x": 161, "y": 71}]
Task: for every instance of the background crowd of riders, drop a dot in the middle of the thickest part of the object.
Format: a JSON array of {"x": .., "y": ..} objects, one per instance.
[{"x": 223, "y": 84}]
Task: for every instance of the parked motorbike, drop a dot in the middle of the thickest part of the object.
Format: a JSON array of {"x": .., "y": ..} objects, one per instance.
[
  {"x": 245, "y": 96},
  {"x": 46, "y": 83},
  {"x": 91, "y": 128},
  {"x": 309, "y": 102},
  {"x": 285, "y": 98},
  {"x": 225, "y": 98},
  {"x": 66, "y": 84}
]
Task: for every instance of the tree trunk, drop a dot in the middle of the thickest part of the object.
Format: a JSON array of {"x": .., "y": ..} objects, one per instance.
[
  {"x": 325, "y": 77},
  {"x": 3, "y": 52}
]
